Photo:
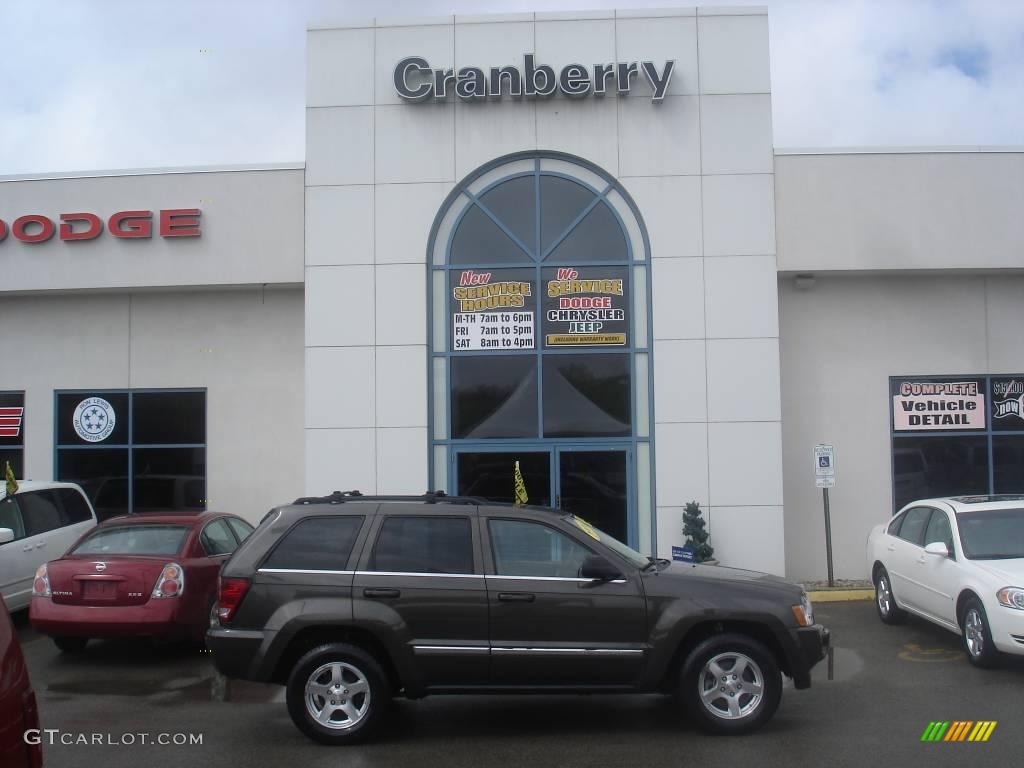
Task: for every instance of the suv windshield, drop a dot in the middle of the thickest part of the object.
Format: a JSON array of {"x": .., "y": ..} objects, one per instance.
[
  {"x": 134, "y": 540},
  {"x": 996, "y": 534},
  {"x": 630, "y": 554}
]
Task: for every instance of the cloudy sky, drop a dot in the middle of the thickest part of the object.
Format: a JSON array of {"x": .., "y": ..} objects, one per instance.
[{"x": 93, "y": 84}]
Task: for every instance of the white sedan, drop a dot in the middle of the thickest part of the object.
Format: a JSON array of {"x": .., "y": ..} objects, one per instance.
[{"x": 957, "y": 562}]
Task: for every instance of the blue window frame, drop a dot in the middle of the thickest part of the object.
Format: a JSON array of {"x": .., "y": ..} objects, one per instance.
[
  {"x": 133, "y": 450},
  {"x": 547, "y": 382}
]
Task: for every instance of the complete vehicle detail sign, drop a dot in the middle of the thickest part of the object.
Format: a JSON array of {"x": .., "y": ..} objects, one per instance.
[
  {"x": 585, "y": 308},
  {"x": 937, "y": 405},
  {"x": 492, "y": 310}
]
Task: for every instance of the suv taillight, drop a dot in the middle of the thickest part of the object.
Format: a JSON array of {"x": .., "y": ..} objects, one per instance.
[
  {"x": 231, "y": 592},
  {"x": 41, "y": 583},
  {"x": 170, "y": 582}
]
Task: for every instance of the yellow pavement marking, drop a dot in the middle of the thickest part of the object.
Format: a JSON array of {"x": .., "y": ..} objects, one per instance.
[{"x": 840, "y": 595}]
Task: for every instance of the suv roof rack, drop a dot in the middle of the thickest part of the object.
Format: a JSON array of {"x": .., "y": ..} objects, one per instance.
[{"x": 430, "y": 497}]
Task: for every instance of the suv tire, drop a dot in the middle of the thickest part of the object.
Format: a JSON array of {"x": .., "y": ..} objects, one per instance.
[
  {"x": 336, "y": 693},
  {"x": 976, "y": 635},
  {"x": 885, "y": 599},
  {"x": 731, "y": 684}
]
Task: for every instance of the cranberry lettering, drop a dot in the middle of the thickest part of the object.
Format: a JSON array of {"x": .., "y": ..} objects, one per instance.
[{"x": 36, "y": 228}]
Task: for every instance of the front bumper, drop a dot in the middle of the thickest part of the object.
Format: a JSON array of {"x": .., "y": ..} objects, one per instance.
[
  {"x": 154, "y": 618},
  {"x": 1007, "y": 628},
  {"x": 811, "y": 646}
]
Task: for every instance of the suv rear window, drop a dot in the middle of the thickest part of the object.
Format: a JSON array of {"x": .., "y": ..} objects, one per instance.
[
  {"x": 424, "y": 545},
  {"x": 316, "y": 544},
  {"x": 134, "y": 540}
]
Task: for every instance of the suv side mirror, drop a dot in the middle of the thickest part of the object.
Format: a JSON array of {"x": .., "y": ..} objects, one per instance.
[
  {"x": 937, "y": 548},
  {"x": 597, "y": 568},
  {"x": 6, "y": 534}
]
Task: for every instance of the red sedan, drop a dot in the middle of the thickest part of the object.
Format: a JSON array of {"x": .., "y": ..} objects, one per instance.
[
  {"x": 145, "y": 575},
  {"x": 19, "y": 718}
]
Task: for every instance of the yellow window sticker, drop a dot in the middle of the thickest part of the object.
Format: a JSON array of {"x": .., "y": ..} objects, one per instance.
[{"x": 586, "y": 527}]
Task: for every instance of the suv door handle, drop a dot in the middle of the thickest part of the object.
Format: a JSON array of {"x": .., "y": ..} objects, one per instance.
[
  {"x": 516, "y": 597},
  {"x": 381, "y": 592}
]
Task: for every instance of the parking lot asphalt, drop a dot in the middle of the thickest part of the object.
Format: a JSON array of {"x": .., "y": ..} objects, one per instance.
[{"x": 868, "y": 706}]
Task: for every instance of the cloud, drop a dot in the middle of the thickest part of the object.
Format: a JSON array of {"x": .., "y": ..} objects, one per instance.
[{"x": 124, "y": 84}]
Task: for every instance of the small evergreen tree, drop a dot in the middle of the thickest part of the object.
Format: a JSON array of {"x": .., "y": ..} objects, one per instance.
[{"x": 696, "y": 536}]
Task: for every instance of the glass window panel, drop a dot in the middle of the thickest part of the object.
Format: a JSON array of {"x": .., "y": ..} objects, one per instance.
[
  {"x": 144, "y": 539},
  {"x": 423, "y": 545},
  {"x": 73, "y": 505},
  {"x": 440, "y": 466},
  {"x": 929, "y": 466},
  {"x": 316, "y": 544},
  {"x": 39, "y": 512},
  {"x": 440, "y": 400},
  {"x": 444, "y": 229},
  {"x": 587, "y": 395},
  {"x": 640, "y": 307},
  {"x": 93, "y": 419},
  {"x": 575, "y": 170},
  {"x": 514, "y": 203},
  {"x": 10, "y": 517},
  {"x": 532, "y": 549},
  {"x": 491, "y": 475},
  {"x": 642, "y": 398},
  {"x": 561, "y": 202},
  {"x": 1008, "y": 464},
  {"x": 494, "y": 396},
  {"x": 440, "y": 311},
  {"x": 217, "y": 538},
  {"x": 993, "y": 534},
  {"x": 12, "y": 421},
  {"x": 629, "y": 220},
  {"x": 914, "y": 522},
  {"x": 593, "y": 485},
  {"x": 478, "y": 240},
  {"x": 16, "y": 459},
  {"x": 169, "y": 417},
  {"x": 939, "y": 530},
  {"x": 166, "y": 478},
  {"x": 241, "y": 528},
  {"x": 103, "y": 475},
  {"x": 527, "y": 165},
  {"x": 643, "y": 497},
  {"x": 597, "y": 238}
]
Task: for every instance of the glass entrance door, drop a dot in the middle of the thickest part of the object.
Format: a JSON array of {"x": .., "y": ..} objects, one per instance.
[{"x": 592, "y": 482}]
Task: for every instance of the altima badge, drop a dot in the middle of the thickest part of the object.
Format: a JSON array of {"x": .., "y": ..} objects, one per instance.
[{"x": 101, "y": 567}]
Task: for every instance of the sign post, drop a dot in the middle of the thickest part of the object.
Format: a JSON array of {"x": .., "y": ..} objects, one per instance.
[{"x": 825, "y": 478}]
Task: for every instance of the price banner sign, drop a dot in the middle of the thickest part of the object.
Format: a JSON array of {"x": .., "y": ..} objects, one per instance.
[{"x": 493, "y": 310}]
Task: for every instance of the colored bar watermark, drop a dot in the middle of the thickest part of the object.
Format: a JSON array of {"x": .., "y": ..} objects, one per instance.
[{"x": 959, "y": 730}]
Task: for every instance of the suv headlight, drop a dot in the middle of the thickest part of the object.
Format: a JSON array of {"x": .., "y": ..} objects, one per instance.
[
  {"x": 1011, "y": 597},
  {"x": 804, "y": 613}
]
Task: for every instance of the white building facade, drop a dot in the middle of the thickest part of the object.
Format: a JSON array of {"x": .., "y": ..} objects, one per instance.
[{"x": 562, "y": 240}]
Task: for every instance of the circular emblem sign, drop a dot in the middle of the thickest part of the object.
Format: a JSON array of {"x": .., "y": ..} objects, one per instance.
[{"x": 94, "y": 419}]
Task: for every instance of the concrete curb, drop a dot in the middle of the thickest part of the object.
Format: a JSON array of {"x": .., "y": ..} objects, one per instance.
[{"x": 840, "y": 595}]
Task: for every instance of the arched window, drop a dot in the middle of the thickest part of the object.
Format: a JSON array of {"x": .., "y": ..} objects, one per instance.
[{"x": 540, "y": 342}]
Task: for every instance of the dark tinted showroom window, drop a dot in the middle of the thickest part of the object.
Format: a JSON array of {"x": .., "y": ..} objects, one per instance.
[
  {"x": 927, "y": 467},
  {"x": 494, "y": 396},
  {"x": 587, "y": 396},
  {"x": 424, "y": 545},
  {"x": 12, "y": 432},
  {"x": 316, "y": 544},
  {"x": 134, "y": 451}
]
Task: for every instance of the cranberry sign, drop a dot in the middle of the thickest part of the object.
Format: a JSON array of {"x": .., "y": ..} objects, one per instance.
[{"x": 37, "y": 228}]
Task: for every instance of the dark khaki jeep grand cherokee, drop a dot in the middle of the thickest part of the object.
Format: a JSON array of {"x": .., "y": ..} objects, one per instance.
[{"x": 350, "y": 600}]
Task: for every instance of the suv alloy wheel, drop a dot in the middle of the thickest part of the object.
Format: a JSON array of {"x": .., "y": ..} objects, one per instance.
[
  {"x": 336, "y": 693},
  {"x": 731, "y": 684}
]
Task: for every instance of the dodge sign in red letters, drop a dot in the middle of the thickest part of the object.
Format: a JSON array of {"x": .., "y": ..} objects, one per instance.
[{"x": 36, "y": 228}]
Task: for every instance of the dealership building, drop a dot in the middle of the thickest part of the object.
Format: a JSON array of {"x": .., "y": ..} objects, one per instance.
[{"x": 565, "y": 240}]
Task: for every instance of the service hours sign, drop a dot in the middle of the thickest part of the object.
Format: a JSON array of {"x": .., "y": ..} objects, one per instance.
[
  {"x": 585, "y": 307},
  {"x": 492, "y": 310}
]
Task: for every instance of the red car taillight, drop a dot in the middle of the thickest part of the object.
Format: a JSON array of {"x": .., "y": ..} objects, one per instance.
[
  {"x": 170, "y": 582},
  {"x": 231, "y": 593},
  {"x": 41, "y": 583}
]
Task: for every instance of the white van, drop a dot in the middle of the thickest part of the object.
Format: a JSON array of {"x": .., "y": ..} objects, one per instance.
[{"x": 37, "y": 524}]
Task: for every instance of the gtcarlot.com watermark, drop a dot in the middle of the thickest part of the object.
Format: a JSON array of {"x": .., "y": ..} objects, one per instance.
[{"x": 52, "y": 736}]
